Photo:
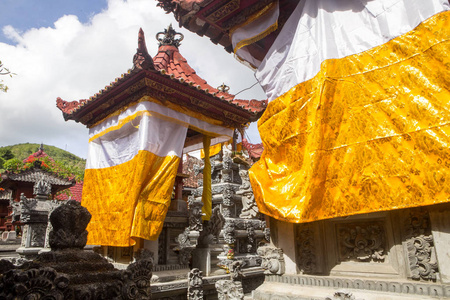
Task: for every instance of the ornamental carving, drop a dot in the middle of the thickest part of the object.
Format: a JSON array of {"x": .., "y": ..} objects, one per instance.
[
  {"x": 37, "y": 238},
  {"x": 212, "y": 228},
  {"x": 363, "y": 241},
  {"x": 342, "y": 295},
  {"x": 223, "y": 11},
  {"x": 195, "y": 213},
  {"x": 42, "y": 187},
  {"x": 229, "y": 231},
  {"x": 306, "y": 250},
  {"x": 142, "y": 60},
  {"x": 39, "y": 280},
  {"x": 272, "y": 260},
  {"x": 195, "y": 285},
  {"x": 229, "y": 290},
  {"x": 66, "y": 233},
  {"x": 420, "y": 246},
  {"x": 249, "y": 207}
]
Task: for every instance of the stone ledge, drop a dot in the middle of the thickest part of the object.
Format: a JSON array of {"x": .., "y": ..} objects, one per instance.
[{"x": 320, "y": 284}]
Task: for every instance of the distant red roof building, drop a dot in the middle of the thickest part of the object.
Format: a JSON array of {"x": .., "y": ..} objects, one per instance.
[
  {"x": 254, "y": 150},
  {"x": 75, "y": 193},
  {"x": 39, "y": 154}
]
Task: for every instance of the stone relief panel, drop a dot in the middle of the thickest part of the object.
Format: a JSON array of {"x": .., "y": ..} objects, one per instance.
[
  {"x": 37, "y": 238},
  {"x": 306, "y": 249},
  {"x": 420, "y": 246},
  {"x": 361, "y": 241}
]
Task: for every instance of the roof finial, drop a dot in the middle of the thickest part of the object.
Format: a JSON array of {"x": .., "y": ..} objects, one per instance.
[
  {"x": 169, "y": 37},
  {"x": 142, "y": 60},
  {"x": 223, "y": 88}
]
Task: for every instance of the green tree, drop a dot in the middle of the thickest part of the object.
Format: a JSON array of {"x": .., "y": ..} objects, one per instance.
[
  {"x": 6, "y": 154},
  {"x": 13, "y": 165},
  {"x": 4, "y": 71}
]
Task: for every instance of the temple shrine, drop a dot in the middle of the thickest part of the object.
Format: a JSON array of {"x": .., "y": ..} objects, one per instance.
[
  {"x": 353, "y": 175},
  {"x": 140, "y": 126},
  {"x": 16, "y": 184}
]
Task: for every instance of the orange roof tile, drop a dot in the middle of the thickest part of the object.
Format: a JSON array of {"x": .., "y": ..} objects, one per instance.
[{"x": 172, "y": 65}]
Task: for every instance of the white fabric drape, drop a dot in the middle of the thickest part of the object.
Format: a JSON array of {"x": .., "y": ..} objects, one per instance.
[{"x": 325, "y": 29}]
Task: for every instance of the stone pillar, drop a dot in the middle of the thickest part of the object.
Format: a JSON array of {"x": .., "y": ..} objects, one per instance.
[{"x": 283, "y": 238}]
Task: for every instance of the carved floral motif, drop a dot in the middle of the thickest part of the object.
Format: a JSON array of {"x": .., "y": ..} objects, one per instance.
[
  {"x": 361, "y": 241},
  {"x": 306, "y": 249},
  {"x": 420, "y": 246}
]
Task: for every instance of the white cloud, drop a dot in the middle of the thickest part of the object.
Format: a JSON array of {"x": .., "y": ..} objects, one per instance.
[{"x": 73, "y": 61}]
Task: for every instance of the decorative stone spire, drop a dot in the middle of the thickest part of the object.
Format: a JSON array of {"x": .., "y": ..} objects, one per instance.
[
  {"x": 169, "y": 37},
  {"x": 142, "y": 60},
  {"x": 223, "y": 88}
]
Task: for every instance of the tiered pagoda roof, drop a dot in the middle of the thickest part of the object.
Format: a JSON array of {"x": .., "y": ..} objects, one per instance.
[{"x": 166, "y": 77}]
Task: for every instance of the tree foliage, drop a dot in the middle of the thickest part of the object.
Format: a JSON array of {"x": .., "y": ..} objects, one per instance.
[
  {"x": 4, "y": 71},
  {"x": 61, "y": 162}
]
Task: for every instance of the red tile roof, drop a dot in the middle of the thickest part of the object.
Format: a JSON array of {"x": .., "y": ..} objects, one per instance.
[
  {"x": 254, "y": 150},
  {"x": 75, "y": 191},
  {"x": 170, "y": 64}
]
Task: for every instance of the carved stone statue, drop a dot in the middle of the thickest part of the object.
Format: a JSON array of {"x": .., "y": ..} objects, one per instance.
[
  {"x": 42, "y": 188},
  {"x": 249, "y": 207}
]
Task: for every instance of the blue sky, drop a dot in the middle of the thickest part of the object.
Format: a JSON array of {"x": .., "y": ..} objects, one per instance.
[
  {"x": 26, "y": 14},
  {"x": 72, "y": 49}
]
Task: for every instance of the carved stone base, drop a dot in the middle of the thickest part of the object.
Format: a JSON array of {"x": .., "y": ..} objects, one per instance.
[{"x": 322, "y": 287}]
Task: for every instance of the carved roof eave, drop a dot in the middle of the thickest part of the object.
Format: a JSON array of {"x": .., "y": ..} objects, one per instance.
[
  {"x": 33, "y": 175},
  {"x": 139, "y": 83},
  {"x": 215, "y": 18}
]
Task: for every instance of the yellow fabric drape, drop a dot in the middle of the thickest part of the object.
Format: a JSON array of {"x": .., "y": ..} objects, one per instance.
[
  {"x": 135, "y": 199},
  {"x": 213, "y": 150},
  {"x": 369, "y": 133},
  {"x": 207, "y": 193}
]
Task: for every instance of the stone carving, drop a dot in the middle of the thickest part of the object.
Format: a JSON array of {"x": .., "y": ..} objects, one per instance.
[
  {"x": 37, "y": 238},
  {"x": 227, "y": 202},
  {"x": 342, "y": 295},
  {"x": 420, "y": 246},
  {"x": 67, "y": 233},
  {"x": 272, "y": 260},
  {"x": 33, "y": 284},
  {"x": 185, "y": 246},
  {"x": 15, "y": 208},
  {"x": 401, "y": 288},
  {"x": 81, "y": 274},
  {"x": 195, "y": 285},
  {"x": 249, "y": 207},
  {"x": 361, "y": 241},
  {"x": 229, "y": 231},
  {"x": 229, "y": 290},
  {"x": 235, "y": 268},
  {"x": 26, "y": 205},
  {"x": 305, "y": 249},
  {"x": 195, "y": 213},
  {"x": 212, "y": 228},
  {"x": 136, "y": 278},
  {"x": 42, "y": 188}
]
